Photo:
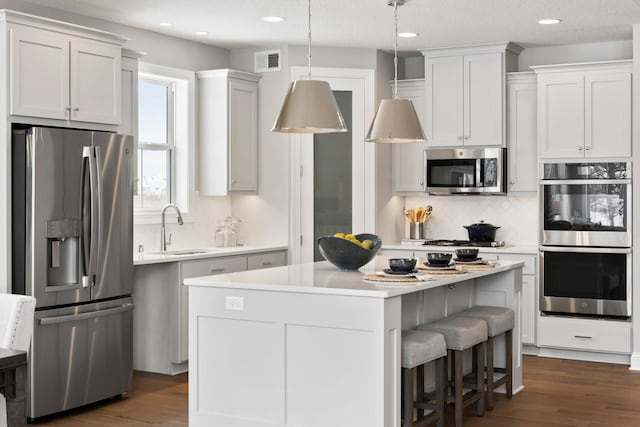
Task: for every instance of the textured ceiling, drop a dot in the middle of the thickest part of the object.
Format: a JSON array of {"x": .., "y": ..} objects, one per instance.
[{"x": 369, "y": 23}]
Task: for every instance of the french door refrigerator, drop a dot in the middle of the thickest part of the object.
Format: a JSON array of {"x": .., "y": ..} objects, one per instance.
[{"x": 72, "y": 231}]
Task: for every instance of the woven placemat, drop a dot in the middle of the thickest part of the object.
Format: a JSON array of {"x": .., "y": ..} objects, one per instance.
[
  {"x": 436, "y": 271},
  {"x": 379, "y": 278}
]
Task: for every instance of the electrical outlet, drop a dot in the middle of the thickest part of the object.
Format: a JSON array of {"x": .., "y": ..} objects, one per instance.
[{"x": 234, "y": 303}]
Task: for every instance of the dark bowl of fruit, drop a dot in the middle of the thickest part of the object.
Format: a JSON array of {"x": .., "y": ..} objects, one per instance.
[{"x": 349, "y": 252}]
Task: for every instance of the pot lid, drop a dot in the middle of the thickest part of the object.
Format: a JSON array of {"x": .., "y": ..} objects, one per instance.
[{"x": 482, "y": 224}]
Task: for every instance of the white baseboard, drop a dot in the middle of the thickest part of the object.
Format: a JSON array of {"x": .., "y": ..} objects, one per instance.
[
  {"x": 635, "y": 361},
  {"x": 588, "y": 356}
]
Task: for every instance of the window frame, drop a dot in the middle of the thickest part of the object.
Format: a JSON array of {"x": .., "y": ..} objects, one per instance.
[{"x": 182, "y": 108}]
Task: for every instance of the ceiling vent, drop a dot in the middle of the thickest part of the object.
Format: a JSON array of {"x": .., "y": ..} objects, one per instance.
[{"x": 268, "y": 60}]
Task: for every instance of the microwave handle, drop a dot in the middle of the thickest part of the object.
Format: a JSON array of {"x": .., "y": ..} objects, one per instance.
[{"x": 479, "y": 173}]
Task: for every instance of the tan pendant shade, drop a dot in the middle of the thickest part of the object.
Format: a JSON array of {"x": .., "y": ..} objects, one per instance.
[
  {"x": 309, "y": 107},
  {"x": 396, "y": 121}
]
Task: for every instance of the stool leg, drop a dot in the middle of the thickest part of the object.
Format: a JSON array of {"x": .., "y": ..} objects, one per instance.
[
  {"x": 509, "y": 358},
  {"x": 407, "y": 405},
  {"x": 420, "y": 390},
  {"x": 441, "y": 388},
  {"x": 480, "y": 376},
  {"x": 458, "y": 373},
  {"x": 490, "y": 343}
]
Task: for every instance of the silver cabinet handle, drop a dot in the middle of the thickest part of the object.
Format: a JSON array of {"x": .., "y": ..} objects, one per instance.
[
  {"x": 587, "y": 148},
  {"x": 233, "y": 181},
  {"x": 579, "y": 148},
  {"x": 583, "y": 337},
  {"x": 217, "y": 270},
  {"x": 467, "y": 137},
  {"x": 512, "y": 182},
  {"x": 267, "y": 264},
  {"x": 421, "y": 183},
  {"x": 460, "y": 138}
]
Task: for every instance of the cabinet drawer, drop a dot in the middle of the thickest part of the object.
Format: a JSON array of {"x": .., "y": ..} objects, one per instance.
[
  {"x": 585, "y": 334},
  {"x": 212, "y": 266},
  {"x": 266, "y": 260},
  {"x": 529, "y": 260}
]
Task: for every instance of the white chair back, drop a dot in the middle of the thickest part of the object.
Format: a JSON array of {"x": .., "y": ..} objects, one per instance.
[{"x": 16, "y": 321}]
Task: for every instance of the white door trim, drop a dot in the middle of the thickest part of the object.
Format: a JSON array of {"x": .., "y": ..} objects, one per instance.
[{"x": 364, "y": 176}]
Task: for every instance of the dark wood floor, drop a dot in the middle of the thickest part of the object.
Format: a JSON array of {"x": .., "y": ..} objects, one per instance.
[{"x": 557, "y": 393}]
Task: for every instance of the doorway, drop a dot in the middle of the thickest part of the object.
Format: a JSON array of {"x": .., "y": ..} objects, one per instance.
[{"x": 333, "y": 175}]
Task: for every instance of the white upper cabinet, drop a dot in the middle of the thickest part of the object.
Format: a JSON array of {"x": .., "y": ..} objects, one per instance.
[
  {"x": 82, "y": 78},
  {"x": 408, "y": 159},
  {"x": 228, "y": 132},
  {"x": 584, "y": 110},
  {"x": 521, "y": 131},
  {"x": 465, "y": 94}
]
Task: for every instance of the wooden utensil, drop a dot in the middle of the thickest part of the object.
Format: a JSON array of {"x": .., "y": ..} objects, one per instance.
[{"x": 420, "y": 214}]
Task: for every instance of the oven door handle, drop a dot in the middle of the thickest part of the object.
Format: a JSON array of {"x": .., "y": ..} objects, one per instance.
[
  {"x": 584, "y": 181},
  {"x": 585, "y": 249}
]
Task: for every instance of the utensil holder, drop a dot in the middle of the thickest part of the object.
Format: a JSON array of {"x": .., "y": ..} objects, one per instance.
[{"x": 416, "y": 230}]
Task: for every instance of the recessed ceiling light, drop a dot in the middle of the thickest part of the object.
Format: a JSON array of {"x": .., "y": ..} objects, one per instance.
[
  {"x": 165, "y": 24},
  {"x": 202, "y": 33},
  {"x": 273, "y": 19},
  {"x": 407, "y": 35},
  {"x": 549, "y": 21}
]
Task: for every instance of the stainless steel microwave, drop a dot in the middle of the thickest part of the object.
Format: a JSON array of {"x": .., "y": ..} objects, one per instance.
[{"x": 466, "y": 170}]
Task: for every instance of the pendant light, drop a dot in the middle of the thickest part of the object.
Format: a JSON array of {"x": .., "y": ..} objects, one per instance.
[
  {"x": 396, "y": 120},
  {"x": 309, "y": 106}
]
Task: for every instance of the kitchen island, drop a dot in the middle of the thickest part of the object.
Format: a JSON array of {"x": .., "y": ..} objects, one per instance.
[{"x": 310, "y": 345}]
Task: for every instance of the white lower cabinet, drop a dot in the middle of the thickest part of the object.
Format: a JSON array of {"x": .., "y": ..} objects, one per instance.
[
  {"x": 599, "y": 335},
  {"x": 161, "y": 317}
]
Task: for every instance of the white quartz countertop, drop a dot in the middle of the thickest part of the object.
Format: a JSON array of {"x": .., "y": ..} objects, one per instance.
[
  {"x": 324, "y": 278},
  {"x": 145, "y": 258},
  {"x": 507, "y": 249}
]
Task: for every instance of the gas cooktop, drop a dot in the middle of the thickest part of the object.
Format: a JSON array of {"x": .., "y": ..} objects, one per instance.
[{"x": 463, "y": 243}]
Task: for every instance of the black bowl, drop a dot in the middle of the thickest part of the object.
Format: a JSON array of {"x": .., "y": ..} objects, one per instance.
[
  {"x": 347, "y": 255},
  {"x": 467, "y": 253},
  {"x": 439, "y": 258},
  {"x": 402, "y": 264}
]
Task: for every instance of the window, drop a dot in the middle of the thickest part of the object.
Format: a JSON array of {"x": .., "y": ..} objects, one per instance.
[
  {"x": 156, "y": 143},
  {"x": 166, "y": 123}
]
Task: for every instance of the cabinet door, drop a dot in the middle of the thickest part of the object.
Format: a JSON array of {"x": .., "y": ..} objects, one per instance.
[
  {"x": 529, "y": 309},
  {"x": 243, "y": 136},
  {"x": 561, "y": 115},
  {"x": 483, "y": 99},
  {"x": 608, "y": 114},
  {"x": 408, "y": 159},
  {"x": 95, "y": 81},
  {"x": 444, "y": 102},
  {"x": 35, "y": 92},
  {"x": 522, "y": 135}
]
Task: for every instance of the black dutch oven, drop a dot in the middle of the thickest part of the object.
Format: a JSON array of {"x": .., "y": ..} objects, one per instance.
[{"x": 481, "y": 232}]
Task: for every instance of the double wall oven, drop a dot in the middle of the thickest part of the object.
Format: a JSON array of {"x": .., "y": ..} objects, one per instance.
[{"x": 586, "y": 238}]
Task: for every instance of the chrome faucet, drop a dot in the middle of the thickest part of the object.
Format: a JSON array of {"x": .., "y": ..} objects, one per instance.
[{"x": 163, "y": 240}]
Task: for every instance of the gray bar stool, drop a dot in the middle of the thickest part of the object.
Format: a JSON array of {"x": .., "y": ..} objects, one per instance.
[
  {"x": 418, "y": 349},
  {"x": 499, "y": 321},
  {"x": 463, "y": 333}
]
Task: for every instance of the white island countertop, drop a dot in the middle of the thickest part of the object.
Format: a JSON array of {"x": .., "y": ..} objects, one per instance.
[{"x": 325, "y": 278}]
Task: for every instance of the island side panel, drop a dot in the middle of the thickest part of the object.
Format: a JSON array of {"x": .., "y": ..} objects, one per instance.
[{"x": 290, "y": 359}]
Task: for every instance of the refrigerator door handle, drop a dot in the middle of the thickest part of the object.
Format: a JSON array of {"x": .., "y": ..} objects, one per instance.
[
  {"x": 84, "y": 316},
  {"x": 90, "y": 233},
  {"x": 96, "y": 250}
]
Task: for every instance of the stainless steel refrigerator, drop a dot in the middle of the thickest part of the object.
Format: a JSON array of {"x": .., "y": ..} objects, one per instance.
[{"x": 72, "y": 239}]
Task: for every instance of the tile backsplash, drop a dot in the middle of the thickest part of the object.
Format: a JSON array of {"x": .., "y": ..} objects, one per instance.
[{"x": 517, "y": 216}]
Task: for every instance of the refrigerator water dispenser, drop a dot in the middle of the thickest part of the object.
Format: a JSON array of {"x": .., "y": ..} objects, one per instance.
[{"x": 63, "y": 243}]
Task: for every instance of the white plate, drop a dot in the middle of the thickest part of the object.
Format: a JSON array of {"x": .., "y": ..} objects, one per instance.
[
  {"x": 408, "y": 274},
  {"x": 438, "y": 267}
]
